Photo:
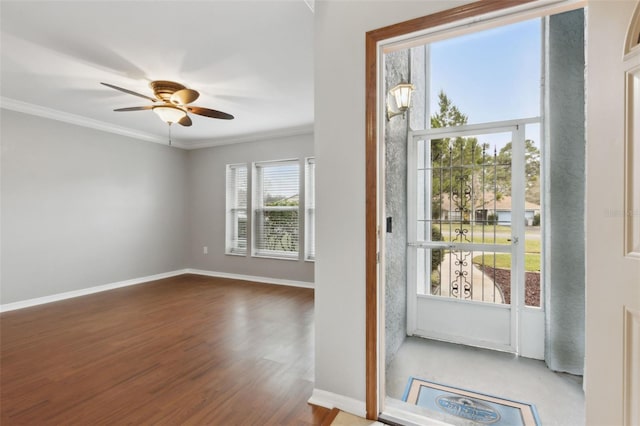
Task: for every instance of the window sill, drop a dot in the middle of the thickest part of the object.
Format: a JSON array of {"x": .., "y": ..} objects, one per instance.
[{"x": 275, "y": 257}]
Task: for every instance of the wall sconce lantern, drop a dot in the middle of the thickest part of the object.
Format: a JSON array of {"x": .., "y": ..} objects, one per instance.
[{"x": 402, "y": 94}]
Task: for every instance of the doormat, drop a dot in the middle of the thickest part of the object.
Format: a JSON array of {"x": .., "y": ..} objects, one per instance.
[{"x": 478, "y": 407}]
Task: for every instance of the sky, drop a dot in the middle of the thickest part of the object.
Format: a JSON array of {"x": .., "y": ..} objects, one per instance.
[{"x": 491, "y": 75}]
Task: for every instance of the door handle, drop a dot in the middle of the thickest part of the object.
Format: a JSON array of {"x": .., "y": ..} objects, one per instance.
[{"x": 431, "y": 245}]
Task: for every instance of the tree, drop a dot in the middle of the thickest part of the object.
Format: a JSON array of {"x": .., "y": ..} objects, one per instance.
[
  {"x": 462, "y": 169},
  {"x": 532, "y": 193},
  {"x": 455, "y": 161},
  {"x": 501, "y": 173},
  {"x": 448, "y": 115}
]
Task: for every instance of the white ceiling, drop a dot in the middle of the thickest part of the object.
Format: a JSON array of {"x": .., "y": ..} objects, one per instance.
[{"x": 252, "y": 59}]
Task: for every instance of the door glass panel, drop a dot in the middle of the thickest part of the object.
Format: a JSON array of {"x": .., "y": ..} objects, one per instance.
[
  {"x": 532, "y": 216},
  {"x": 464, "y": 217},
  {"x": 464, "y": 189}
]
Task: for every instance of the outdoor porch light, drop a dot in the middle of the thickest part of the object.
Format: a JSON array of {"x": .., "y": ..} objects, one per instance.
[
  {"x": 169, "y": 113},
  {"x": 402, "y": 94}
]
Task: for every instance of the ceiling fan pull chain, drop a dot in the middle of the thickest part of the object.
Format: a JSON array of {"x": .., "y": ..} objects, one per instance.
[{"x": 169, "y": 134}]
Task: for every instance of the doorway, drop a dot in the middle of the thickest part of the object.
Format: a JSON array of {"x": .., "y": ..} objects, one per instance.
[{"x": 445, "y": 292}]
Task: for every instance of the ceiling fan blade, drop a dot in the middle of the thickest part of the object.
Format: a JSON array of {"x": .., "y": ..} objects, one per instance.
[
  {"x": 140, "y": 108},
  {"x": 129, "y": 92},
  {"x": 212, "y": 113},
  {"x": 184, "y": 96},
  {"x": 185, "y": 121}
]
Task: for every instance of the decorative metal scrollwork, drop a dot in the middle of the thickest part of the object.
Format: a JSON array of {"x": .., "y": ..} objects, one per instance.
[
  {"x": 461, "y": 286},
  {"x": 462, "y": 197},
  {"x": 461, "y": 235}
]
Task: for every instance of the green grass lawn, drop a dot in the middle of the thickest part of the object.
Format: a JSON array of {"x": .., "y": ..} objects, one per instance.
[
  {"x": 479, "y": 234},
  {"x": 503, "y": 261},
  {"x": 476, "y": 228},
  {"x": 531, "y": 245}
]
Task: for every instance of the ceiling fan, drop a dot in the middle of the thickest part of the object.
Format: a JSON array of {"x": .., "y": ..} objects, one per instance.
[{"x": 171, "y": 103}]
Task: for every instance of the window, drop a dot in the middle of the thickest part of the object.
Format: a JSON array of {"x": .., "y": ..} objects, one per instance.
[
  {"x": 310, "y": 209},
  {"x": 236, "y": 229},
  {"x": 276, "y": 204},
  {"x": 276, "y": 207}
]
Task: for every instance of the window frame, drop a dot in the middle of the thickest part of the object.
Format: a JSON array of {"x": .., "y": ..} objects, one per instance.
[
  {"x": 309, "y": 209},
  {"x": 233, "y": 211}
]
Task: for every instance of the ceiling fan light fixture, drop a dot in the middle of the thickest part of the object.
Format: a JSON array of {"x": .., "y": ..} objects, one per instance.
[{"x": 169, "y": 114}]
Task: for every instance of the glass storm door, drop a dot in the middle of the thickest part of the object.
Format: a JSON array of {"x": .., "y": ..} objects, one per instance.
[{"x": 466, "y": 238}]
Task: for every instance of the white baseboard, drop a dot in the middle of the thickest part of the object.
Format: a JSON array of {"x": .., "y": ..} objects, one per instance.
[
  {"x": 85, "y": 291},
  {"x": 333, "y": 400},
  {"x": 266, "y": 280}
]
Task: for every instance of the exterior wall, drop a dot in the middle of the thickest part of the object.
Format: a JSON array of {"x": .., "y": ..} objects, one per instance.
[
  {"x": 395, "y": 250},
  {"x": 400, "y": 66},
  {"x": 207, "y": 204},
  {"x": 565, "y": 283},
  {"x": 83, "y": 208},
  {"x": 504, "y": 217}
]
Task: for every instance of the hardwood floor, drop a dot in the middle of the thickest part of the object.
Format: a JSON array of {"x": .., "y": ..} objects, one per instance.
[{"x": 184, "y": 350}]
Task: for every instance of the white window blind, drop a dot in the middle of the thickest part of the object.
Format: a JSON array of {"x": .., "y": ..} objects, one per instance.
[
  {"x": 236, "y": 229},
  {"x": 276, "y": 207},
  {"x": 310, "y": 209}
]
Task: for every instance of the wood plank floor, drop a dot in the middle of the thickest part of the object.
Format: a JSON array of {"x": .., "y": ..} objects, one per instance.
[{"x": 184, "y": 350}]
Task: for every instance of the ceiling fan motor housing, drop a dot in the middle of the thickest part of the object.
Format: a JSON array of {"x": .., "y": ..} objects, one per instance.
[{"x": 163, "y": 89}]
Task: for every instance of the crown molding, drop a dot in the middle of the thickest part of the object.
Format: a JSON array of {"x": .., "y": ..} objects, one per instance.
[
  {"x": 252, "y": 137},
  {"x": 78, "y": 120}
]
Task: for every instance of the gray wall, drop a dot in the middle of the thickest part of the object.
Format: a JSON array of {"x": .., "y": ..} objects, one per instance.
[
  {"x": 395, "y": 143},
  {"x": 399, "y": 66},
  {"x": 565, "y": 295},
  {"x": 207, "y": 206},
  {"x": 82, "y": 208}
]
